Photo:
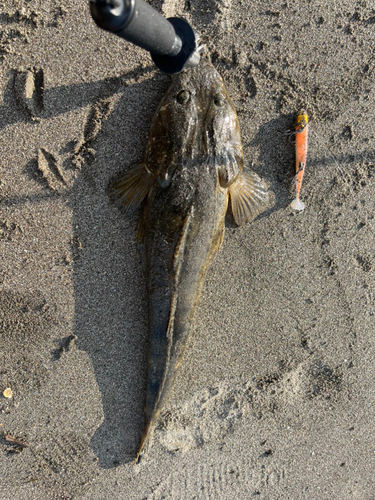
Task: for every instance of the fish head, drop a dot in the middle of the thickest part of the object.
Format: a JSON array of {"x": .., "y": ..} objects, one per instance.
[{"x": 196, "y": 124}]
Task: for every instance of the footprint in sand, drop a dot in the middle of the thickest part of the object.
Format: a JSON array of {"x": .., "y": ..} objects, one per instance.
[
  {"x": 29, "y": 87},
  {"x": 214, "y": 413}
]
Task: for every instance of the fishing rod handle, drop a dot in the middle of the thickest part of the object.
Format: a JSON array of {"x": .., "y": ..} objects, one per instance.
[
  {"x": 172, "y": 42},
  {"x": 137, "y": 22}
]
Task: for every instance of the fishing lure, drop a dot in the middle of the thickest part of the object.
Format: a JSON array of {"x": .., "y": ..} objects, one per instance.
[{"x": 302, "y": 128}]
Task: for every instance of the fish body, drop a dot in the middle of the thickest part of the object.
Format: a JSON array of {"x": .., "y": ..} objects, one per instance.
[{"x": 193, "y": 164}]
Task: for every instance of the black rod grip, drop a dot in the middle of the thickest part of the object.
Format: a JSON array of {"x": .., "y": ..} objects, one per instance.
[{"x": 137, "y": 22}]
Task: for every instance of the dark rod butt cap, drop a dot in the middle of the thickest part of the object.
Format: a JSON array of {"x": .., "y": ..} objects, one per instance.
[{"x": 188, "y": 57}]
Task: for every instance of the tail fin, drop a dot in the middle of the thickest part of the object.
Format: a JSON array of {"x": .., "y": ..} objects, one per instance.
[{"x": 144, "y": 444}]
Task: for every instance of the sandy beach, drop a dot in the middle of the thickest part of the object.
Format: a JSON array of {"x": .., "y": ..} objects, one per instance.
[{"x": 275, "y": 394}]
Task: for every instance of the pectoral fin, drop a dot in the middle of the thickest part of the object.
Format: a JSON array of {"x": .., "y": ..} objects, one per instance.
[
  {"x": 249, "y": 197},
  {"x": 134, "y": 186}
]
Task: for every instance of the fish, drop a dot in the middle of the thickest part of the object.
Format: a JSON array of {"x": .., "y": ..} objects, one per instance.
[
  {"x": 192, "y": 166},
  {"x": 302, "y": 130}
]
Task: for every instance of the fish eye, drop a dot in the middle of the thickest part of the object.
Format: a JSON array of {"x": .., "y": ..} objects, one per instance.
[
  {"x": 183, "y": 97},
  {"x": 218, "y": 100}
]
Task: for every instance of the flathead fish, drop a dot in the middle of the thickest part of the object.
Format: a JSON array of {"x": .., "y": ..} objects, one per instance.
[{"x": 192, "y": 166}]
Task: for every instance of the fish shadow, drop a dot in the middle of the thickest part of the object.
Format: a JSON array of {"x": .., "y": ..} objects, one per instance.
[{"x": 110, "y": 294}]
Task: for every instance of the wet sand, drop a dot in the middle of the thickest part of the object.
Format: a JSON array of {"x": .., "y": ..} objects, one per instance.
[{"x": 275, "y": 394}]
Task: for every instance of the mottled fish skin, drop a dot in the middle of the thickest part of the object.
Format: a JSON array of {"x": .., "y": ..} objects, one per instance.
[{"x": 193, "y": 163}]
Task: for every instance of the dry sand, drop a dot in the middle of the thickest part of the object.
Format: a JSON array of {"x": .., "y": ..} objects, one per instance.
[{"x": 275, "y": 396}]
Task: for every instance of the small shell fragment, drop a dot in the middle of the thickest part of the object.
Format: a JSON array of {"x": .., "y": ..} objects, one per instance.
[{"x": 8, "y": 393}]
